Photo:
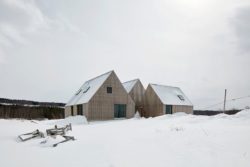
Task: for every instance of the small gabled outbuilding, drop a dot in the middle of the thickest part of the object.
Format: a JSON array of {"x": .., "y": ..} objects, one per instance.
[
  {"x": 101, "y": 98},
  {"x": 160, "y": 99},
  {"x": 136, "y": 90}
]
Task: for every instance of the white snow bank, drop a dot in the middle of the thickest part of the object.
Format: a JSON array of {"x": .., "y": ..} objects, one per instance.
[
  {"x": 74, "y": 120},
  {"x": 171, "y": 116},
  {"x": 178, "y": 140},
  {"x": 243, "y": 114}
]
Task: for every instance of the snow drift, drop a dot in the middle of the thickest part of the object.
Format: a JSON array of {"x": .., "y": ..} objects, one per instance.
[
  {"x": 74, "y": 120},
  {"x": 178, "y": 140}
]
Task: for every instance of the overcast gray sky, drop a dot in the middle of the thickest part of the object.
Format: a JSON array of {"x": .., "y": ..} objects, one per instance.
[{"x": 48, "y": 48}]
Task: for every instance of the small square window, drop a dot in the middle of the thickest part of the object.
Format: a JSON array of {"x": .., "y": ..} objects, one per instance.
[
  {"x": 109, "y": 89},
  {"x": 86, "y": 89},
  {"x": 78, "y": 91},
  {"x": 181, "y": 97}
]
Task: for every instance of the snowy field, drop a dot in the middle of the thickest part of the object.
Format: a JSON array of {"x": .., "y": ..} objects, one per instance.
[{"x": 177, "y": 140}]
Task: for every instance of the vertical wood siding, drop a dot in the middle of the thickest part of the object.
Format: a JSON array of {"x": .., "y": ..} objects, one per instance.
[
  {"x": 186, "y": 109},
  {"x": 67, "y": 111},
  {"x": 152, "y": 104},
  {"x": 101, "y": 106},
  {"x": 154, "y": 107},
  {"x": 137, "y": 94}
]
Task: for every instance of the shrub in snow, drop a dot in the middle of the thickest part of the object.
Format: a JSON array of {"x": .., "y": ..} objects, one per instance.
[{"x": 137, "y": 115}]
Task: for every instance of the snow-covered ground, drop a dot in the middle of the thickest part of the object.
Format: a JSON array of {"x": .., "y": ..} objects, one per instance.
[{"x": 177, "y": 140}]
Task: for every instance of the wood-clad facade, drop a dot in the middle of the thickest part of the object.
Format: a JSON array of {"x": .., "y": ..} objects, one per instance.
[
  {"x": 154, "y": 105},
  {"x": 136, "y": 92},
  {"x": 105, "y": 98},
  {"x": 109, "y": 101}
]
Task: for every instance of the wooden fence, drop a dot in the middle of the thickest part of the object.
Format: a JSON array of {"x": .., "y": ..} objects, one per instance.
[{"x": 31, "y": 112}]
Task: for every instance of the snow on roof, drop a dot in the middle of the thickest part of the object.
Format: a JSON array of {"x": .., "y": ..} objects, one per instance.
[
  {"x": 129, "y": 85},
  {"x": 88, "y": 89},
  {"x": 171, "y": 95}
]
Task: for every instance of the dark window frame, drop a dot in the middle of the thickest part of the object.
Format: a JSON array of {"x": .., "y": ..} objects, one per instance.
[
  {"x": 120, "y": 110},
  {"x": 109, "y": 90},
  {"x": 168, "y": 109},
  {"x": 79, "y": 91},
  {"x": 72, "y": 110},
  {"x": 181, "y": 97},
  {"x": 86, "y": 90},
  {"x": 79, "y": 109}
]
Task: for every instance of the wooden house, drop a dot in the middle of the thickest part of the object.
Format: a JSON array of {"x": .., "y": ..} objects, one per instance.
[
  {"x": 101, "y": 98},
  {"x": 136, "y": 90},
  {"x": 160, "y": 99}
]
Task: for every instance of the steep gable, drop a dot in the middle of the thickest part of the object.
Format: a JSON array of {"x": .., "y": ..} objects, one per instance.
[
  {"x": 88, "y": 90},
  {"x": 130, "y": 84}
]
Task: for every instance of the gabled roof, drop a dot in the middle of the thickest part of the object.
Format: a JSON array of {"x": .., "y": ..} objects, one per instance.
[
  {"x": 171, "y": 95},
  {"x": 88, "y": 90},
  {"x": 129, "y": 85}
]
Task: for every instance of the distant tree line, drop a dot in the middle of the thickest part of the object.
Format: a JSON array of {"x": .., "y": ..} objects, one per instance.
[
  {"x": 213, "y": 112},
  {"x": 28, "y": 102},
  {"x": 25, "y": 109}
]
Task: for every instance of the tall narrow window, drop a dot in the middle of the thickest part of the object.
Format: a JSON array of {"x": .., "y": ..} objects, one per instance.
[
  {"x": 109, "y": 89},
  {"x": 79, "y": 109},
  {"x": 72, "y": 110}
]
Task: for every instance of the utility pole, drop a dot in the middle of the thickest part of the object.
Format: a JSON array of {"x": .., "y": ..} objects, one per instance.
[{"x": 225, "y": 99}]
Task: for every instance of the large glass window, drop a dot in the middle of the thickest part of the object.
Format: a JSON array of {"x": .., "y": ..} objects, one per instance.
[
  {"x": 169, "y": 109},
  {"x": 120, "y": 110},
  {"x": 79, "y": 110}
]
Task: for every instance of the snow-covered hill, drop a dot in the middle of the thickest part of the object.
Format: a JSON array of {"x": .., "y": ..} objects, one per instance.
[{"x": 178, "y": 140}]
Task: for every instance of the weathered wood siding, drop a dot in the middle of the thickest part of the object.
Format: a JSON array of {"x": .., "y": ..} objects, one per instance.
[
  {"x": 31, "y": 112},
  {"x": 154, "y": 107},
  {"x": 137, "y": 94},
  {"x": 101, "y": 105},
  {"x": 152, "y": 104},
  {"x": 186, "y": 109},
  {"x": 67, "y": 111},
  {"x": 85, "y": 108}
]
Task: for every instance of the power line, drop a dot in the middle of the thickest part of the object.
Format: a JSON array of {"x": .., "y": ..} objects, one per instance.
[
  {"x": 234, "y": 99},
  {"x": 243, "y": 97},
  {"x": 213, "y": 105}
]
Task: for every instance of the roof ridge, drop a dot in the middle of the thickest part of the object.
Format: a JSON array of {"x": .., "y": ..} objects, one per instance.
[
  {"x": 163, "y": 85},
  {"x": 131, "y": 80},
  {"x": 99, "y": 76},
  {"x": 94, "y": 83}
]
